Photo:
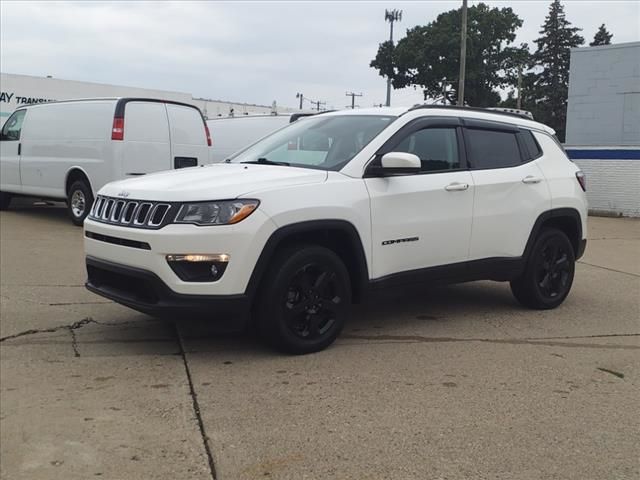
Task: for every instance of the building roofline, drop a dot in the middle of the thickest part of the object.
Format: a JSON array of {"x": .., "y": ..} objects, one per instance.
[{"x": 612, "y": 46}]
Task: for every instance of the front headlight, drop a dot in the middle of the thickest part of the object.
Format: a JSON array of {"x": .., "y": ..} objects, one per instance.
[{"x": 216, "y": 213}]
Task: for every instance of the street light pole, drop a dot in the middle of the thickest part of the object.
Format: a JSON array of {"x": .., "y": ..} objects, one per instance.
[
  {"x": 391, "y": 16},
  {"x": 463, "y": 53},
  {"x": 301, "y": 97}
]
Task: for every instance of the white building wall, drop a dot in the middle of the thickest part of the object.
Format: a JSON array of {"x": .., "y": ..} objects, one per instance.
[
  {"x": 613, "y": 186},
  {"x": 603, "y": 125}
]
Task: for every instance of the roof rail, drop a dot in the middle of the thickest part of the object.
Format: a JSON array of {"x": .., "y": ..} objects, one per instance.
[{"x": 513, "y": 112}]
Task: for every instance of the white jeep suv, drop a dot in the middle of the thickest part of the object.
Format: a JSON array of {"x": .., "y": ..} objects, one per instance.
[{"x": 296, "y": 227}]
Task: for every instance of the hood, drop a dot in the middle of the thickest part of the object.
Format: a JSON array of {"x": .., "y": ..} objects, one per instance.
[{"x": 218, "y": 181}]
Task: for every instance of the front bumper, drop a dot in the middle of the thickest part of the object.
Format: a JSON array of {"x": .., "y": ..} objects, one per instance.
[
  {"x": 144, "y": 291},
  {"x": 147, "y": 250}
]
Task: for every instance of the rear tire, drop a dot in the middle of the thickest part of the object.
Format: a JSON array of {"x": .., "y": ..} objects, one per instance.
[
  {"x": 549, "y": 272},
  {"x": 79, "y": 201},
  {"x": 304, "y": 299},
  {"x": 5, "y": 200}
]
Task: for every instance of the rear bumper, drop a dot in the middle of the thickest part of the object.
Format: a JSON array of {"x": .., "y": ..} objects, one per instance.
[{"x": 144, "y": 291}]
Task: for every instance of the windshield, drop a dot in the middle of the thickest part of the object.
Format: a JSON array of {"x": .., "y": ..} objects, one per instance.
[{"x": 326, "y": 143}]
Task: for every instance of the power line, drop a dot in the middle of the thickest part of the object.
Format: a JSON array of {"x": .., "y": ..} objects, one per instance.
[{"x": 353, "y": 98}]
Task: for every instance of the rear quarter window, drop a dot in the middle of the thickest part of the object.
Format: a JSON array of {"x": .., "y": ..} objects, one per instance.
[
  {"x": 531, "y": 147},
  {"x": 492, "y": 148}
]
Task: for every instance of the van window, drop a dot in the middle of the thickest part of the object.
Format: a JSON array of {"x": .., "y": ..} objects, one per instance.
[
  {"x": 13, "y": 126},
  {"x": 145, "y": 122},
  {"x": 492, "y": 148},
  {"x": 187, "y": 126}
]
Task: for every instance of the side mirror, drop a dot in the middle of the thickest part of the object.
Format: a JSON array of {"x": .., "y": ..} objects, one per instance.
[{"x": 400, "y": 162}]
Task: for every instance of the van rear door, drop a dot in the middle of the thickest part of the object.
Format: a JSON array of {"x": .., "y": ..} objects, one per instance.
[
  {"x": 189, "y": 144},
  {"x": 146, "y": 146}
]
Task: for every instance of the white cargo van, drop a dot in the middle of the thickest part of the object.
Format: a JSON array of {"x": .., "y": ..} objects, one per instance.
[
  {"x": 231, "y": 134},
  {"x": 68, "y": 150}
]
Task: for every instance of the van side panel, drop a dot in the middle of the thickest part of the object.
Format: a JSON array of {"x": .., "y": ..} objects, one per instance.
[
  {"x": 145, "y": 148},
  {"x": 60, "y": 137},
  {"x": 188, "y": 136}
]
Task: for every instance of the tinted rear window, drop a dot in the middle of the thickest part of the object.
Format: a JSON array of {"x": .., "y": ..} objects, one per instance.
[{"x": 492, "y": 149}]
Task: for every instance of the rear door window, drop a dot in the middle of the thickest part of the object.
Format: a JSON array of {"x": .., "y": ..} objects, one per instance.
[
  {"x": 13, "y": 126},
  {"x": 492, "y": 148}
]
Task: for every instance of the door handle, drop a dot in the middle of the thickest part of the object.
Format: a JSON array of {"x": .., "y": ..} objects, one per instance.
[
  {"x": 19, "y": 149},
  {"x": 530, "y": 179},
  {"x": 456, "y": 187}
]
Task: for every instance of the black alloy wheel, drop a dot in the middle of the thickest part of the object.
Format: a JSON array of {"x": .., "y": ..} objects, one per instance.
[
  {"x": 302, "y": 305},
  {"x": 312, "y": 301},
  {"x": 554, "y": 271},
  {"x": 549, "y": 272}
]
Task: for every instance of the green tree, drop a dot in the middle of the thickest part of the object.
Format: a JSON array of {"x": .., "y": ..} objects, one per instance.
[
  {"x": 602, "y": 37},
  {"x": 551, "y": 60},
  {"x": 430, "y": 55}
]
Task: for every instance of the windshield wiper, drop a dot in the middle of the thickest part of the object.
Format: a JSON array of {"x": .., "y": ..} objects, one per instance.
[{"x": 266, "y": 161}]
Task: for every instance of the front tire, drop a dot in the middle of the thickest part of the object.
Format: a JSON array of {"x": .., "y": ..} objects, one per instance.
[
  {"x": 5, "y": 200},
  {"x": 549, "y": 272},
  {"x": 79, "y": 201},
  {"x": 304, "y": 298}
]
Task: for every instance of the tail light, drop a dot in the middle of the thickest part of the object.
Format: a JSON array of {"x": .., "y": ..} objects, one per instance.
[
  {"x": 206, "y": 129},
  {"x": 117, "y": 132},
  {"x": 582, "y": 180}
]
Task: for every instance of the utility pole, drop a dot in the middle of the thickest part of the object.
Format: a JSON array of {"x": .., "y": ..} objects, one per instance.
[
  {"x": 391, "y": 16},
  {"x": 301, "y": 97},
  {"x": 318, "y": 103},
  {"x": 463, "y": 53},
  {"x": 519, "y": 104},
  {"x": 353, "y": 98}
]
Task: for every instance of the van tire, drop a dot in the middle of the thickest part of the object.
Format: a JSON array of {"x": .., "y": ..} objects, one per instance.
[
  {"x": 305, "y": 294},
  {"x": 79, "y": 201},
  {"x": 5, "y": 200}
]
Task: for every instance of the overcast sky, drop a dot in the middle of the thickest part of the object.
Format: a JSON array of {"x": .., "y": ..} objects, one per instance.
[{"x": 253, "y": 52}]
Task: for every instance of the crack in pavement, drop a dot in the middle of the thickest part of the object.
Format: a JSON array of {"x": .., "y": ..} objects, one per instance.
[
  {"x": 71, "y": 328},
  {"x": 610, "y": 269},
  {"x": 507, "y": 341},
  {"x": 196, "y": 406},
  {"x": 76, "y": 303}
]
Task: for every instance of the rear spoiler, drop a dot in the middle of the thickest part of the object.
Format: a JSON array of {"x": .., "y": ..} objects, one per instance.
[{"x": 296, "y": 116}]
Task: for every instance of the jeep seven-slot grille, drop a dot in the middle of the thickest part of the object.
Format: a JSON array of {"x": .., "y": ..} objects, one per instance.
[{"x": 131, "y": 213}]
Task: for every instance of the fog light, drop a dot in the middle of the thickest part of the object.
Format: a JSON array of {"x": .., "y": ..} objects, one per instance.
[{"x": 197, "y": 267}]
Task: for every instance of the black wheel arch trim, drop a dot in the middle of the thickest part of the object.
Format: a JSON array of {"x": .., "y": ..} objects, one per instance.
[
  {"x": 556, "y": 213},
  {"x": 282, "y": 234}
]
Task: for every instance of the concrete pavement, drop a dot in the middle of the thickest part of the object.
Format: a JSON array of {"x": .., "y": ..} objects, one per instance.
[{"x": 448, "y": 383}]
